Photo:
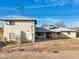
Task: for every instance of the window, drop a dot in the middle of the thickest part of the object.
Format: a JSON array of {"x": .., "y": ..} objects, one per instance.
[
  {"x": 11, "y": 22},
  {"x": 11, "y": 35},
  {"x": 58, "y": 33},
  {"x": 68, "y": 33},
  {"x": 39, "y": 34}
]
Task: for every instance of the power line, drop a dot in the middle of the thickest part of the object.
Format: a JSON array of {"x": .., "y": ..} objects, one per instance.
[
  {"x": 15, "y": 3},
  {"x": 51, "y": 15},
  {"x": 20, "y": 8},
  {"x": 26, "y": 7}
]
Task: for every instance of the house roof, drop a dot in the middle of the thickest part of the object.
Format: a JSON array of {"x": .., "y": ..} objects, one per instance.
[
  {"x": 17, "y": 18},
  {"x": 61, "y": 29},
  {"x": 41, "y": 29}
]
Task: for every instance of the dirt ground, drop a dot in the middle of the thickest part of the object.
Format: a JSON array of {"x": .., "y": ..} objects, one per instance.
[
  {"x": 53, "y": 49},
  {"x": 42, "y": 55}
]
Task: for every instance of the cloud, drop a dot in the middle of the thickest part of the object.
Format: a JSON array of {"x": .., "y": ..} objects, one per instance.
[
  {"x": 52, "y": 20},
  {"x": 74, "y": 24},
  {"x": 76, "y": 2},
  {"x": 14, "y": 17},
  {"x": 53, "y": 2},
  {"x": 59, "y": 3},
  {"x": 47, "y": 20}
]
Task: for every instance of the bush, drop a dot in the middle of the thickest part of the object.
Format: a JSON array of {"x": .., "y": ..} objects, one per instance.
[
  {"x": 2, "y": 44},
  {"x": 11, "y": 42}
]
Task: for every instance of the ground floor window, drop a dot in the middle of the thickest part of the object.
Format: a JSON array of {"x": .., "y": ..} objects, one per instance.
[
  {"x": 11, "y": 35},
  {"x": 77, "y": 34},
  {"x": 48, "y": 35},
  {"x": 39, "y": 34}
]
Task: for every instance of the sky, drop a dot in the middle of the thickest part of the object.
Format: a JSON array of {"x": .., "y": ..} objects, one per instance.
[{"x": 44, "y": 11}]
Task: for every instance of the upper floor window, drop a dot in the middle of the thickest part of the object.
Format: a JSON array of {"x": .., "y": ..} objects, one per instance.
[{"x": 11, "y": 22}]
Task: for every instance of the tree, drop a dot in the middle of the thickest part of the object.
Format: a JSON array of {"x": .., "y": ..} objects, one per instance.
[
  {"x": 56, "y": 25},
  {"x": 60, "y": 24},
  {"x": 77, "y": 28},
  {"x": 45, "y": 25}
]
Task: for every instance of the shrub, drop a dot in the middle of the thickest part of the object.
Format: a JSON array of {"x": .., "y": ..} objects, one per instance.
[
  {"x": 11, "y": 42},
  {"x": 2, "y": 44}
]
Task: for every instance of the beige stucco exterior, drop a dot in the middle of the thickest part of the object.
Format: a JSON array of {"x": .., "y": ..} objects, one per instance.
[
  {"x": 64, "y": 35},
  {"x": 54, "y": 35},
  {"x": 23, "y": 27}
]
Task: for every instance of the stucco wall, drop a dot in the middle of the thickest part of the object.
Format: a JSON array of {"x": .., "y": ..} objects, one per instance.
[
  {"x": 55, "y": 36},
  {"x": 25, "y": 27},
  {"x": 64, "y": 35},
  {"x": 71, "y": 35}
]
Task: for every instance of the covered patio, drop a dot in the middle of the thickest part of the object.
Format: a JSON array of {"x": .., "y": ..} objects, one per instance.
[{"x": 58, "y": 33}]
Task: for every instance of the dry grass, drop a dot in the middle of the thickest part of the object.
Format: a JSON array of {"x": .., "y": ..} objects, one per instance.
[
  {"x": 65, "y": 44},
  {"x": 60, "y": 44},
  {"x": 53, "y": 49}
]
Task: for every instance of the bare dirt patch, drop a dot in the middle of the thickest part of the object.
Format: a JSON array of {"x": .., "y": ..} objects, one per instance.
[{"x": 54, "y": 49}]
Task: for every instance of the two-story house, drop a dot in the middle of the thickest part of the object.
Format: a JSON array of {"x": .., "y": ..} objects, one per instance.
[{"x": 23, "y": 29}]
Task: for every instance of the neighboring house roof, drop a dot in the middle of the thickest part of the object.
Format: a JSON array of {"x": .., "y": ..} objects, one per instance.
[
  {"x": 61, "y": 29},
  {"x": 41, "y": 29}
]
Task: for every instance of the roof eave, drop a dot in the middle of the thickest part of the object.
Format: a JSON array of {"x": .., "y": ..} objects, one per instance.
[{"x": 18, "y": 20}]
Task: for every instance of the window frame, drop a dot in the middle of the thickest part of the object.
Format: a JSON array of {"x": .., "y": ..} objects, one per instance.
[
  {"x": 11, "y": 35},
  {"x": 11, "y": 22},
  {"x": 39, "y": 34}
]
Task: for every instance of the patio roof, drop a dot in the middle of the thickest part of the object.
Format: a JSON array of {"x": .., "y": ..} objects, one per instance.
[
  {"x": 61, "y": 29},
  {"x": 41, "y": 29}
]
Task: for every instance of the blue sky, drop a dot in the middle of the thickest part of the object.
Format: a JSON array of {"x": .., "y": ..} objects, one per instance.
[{"x": 44, "y": 11}]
